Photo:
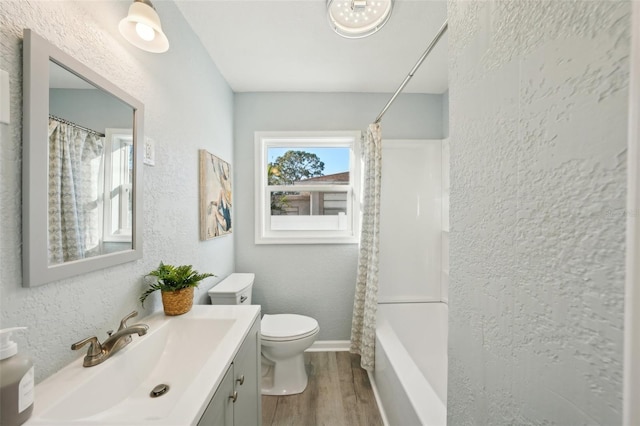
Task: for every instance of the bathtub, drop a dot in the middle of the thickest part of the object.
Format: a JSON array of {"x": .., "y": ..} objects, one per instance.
[{"x": 411, "y": 363}]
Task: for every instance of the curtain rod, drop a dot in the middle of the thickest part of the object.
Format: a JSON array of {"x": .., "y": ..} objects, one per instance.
[
  {"x": 62, "y": 120},
  {"x": 413, "y": 70}
]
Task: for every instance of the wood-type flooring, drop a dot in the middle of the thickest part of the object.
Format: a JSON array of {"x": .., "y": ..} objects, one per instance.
[{"x": 338, "y": 394}]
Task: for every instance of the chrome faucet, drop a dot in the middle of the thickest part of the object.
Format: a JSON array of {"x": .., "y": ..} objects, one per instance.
[{"x": 100, "y": 352}]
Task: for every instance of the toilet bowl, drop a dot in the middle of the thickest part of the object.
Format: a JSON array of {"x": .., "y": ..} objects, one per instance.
[{"x": 284, "y": 338}]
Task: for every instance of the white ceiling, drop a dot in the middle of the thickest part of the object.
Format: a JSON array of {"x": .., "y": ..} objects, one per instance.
[{"x": 288, "y": 46}]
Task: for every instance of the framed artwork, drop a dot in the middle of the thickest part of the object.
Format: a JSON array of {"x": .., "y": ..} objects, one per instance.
[{"x": 215, "y": 196}]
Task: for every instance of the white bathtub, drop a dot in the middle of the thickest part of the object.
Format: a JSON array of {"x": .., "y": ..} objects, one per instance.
[{"x": 411, "y": 363}]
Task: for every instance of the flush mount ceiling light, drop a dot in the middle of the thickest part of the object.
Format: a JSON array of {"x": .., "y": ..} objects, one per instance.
[
  {"x": 142, "y": 28},
  {"x": 358, "y": 18}
]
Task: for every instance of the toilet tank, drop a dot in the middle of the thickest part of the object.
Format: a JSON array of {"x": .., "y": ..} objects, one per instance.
[{"x": 233, "y": 290}]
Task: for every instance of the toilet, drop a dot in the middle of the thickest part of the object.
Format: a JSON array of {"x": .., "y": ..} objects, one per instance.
[{"x": 283, "y": 337}]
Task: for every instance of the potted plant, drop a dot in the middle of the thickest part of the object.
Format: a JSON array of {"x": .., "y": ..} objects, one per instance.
[{"x": 176, "y": 284}]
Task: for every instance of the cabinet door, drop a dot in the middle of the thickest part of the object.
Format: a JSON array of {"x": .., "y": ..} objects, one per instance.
[
  {"x": 247, "y": 410},
  {"x": 219, "y": 412}
]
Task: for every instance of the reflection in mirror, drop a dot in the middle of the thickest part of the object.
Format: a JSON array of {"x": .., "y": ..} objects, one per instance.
[
  {"x": 118, "y": 189},
  {"x": 81, "y": 168},
  {"x": 90, "y": 169}
]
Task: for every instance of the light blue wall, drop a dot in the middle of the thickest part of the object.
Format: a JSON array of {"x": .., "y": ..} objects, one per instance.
[
  {"x": 188, "y": 106},
  {"x": 314, "y": 280},
  {"x": 92, "y": 109}
]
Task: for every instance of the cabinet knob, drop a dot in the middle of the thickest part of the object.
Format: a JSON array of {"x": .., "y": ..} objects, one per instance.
[
  {"x": 240, "y": 380},
  {"x": 234, "y": 396}
]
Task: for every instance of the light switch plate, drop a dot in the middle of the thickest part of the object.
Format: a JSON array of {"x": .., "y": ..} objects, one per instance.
[
  {"x": 4, "y": 97},
  {"x": 149, "y": 149}
]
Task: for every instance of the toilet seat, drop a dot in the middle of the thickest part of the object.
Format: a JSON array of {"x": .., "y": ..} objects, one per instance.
[{"x": 286, "y": 327}]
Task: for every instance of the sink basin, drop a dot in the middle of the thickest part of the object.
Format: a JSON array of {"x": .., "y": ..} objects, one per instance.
[{"x": 189, "y": 353}]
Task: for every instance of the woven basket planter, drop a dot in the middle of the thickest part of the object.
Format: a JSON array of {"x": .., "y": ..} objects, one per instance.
[{"x": 177, "y": 302}]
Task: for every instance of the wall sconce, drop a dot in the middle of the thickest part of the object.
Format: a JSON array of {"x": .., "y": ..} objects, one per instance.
[{"x": 142, "y": 28}]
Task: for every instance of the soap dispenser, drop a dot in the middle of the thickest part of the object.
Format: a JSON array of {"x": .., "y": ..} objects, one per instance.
[{"x": 16, "y": 381}]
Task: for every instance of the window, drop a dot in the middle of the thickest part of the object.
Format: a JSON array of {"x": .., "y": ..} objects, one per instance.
[
  {"x": 118, "y": 183},
  {"x": 307, "y": 187}
]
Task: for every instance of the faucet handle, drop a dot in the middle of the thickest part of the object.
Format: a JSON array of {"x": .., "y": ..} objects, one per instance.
[
  {"x": 95, "y": 348},
  {"x": 123, "y": 322}
]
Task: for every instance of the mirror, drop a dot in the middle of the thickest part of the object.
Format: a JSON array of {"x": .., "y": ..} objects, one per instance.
[{"x": 81, "y": 168}]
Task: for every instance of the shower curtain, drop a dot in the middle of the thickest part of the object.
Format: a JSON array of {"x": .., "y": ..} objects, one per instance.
[
  {"x": 74, "y": 216},
  {"x": 363, "y": 326}
]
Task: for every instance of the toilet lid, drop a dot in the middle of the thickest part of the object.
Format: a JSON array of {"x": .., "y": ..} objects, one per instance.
[{"x": 287, "y": 326}]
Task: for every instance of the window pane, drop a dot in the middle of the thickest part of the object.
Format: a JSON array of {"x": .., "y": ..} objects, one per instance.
[
  {"x": 313, "y": 203},
  {"x": 309, "y": 223},
  {"x": 120, "y": 193},
  {"x": 308, "y": 165},
  {"x": 307, "y": 187}
]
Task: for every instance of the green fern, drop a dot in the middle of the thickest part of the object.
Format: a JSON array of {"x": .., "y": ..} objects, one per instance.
[{"x": 172, "y": 278}]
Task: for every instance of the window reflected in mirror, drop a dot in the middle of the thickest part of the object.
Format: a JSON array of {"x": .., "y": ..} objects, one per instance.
[{"x": 118, "y": 188}]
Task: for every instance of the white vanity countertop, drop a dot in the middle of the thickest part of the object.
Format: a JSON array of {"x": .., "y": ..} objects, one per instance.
[{"x": 190, "y": 353}]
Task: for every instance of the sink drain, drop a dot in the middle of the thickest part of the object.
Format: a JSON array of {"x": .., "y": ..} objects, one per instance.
[{"x": 159, "y": 390}]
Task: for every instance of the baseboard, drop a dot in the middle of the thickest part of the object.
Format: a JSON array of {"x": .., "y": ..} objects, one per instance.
[
  {"x": 383, "y": 414},
  {"x": 329, "y": 346}
]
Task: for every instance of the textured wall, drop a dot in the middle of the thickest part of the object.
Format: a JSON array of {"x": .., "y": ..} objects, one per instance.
[
  {"x": 315, "y": 280},
  {"x": 538, "y": 101},
  {"x": 188, "y": 106}
]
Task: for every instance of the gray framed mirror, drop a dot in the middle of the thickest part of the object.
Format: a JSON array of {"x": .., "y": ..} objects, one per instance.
[{"x": 81, "y": 170}]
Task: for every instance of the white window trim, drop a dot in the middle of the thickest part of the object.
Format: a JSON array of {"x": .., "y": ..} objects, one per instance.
[
  {"x": 264, "y": 140},
  {"x": 108, "y": 234}
]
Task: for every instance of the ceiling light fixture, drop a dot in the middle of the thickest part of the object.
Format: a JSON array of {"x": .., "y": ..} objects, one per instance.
[
  {"x": 142, "y": 28},
  {"x": 358, "y": 18}
]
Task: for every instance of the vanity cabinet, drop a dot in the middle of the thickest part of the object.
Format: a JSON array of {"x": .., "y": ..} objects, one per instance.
[
  {"x": 219, "y": 412},
  {"x": 237, "y": 401}
]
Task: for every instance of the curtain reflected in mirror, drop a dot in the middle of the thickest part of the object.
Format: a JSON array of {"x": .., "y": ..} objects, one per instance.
[{"x": 75, "y": 157}]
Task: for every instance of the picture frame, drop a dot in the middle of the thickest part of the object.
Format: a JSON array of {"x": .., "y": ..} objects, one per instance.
[{"x": 216, "y": 196}]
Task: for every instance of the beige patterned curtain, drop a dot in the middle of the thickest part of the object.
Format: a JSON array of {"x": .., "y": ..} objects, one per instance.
[
  {"x": 74, "y": 197},
  {"x": 363, "y": 326}
]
